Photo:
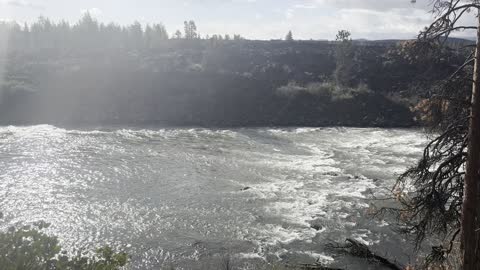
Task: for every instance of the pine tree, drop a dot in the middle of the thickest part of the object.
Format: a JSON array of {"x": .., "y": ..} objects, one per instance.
[
  {"x": 289, "y": 36},
  {"x": 178, "y": 34}
]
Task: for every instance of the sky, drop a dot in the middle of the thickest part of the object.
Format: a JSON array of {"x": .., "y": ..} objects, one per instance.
[{"x": 253, "y": 19}]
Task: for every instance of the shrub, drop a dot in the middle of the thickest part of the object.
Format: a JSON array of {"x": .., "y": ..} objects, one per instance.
[
  {"x": 28, "y": 248},
  {"x": 327, "y": 89}
]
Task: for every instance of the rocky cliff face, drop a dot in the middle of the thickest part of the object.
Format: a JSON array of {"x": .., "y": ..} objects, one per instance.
[{"x": 199, "y": 83}]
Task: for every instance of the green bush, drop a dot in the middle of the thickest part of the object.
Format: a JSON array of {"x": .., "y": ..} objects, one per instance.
[
  {"x": 326, "y": 89},
  {"x": 27, "y": 248}
]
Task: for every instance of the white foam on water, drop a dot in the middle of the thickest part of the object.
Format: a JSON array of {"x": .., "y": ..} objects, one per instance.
[
  {"x": 293, "y": 130},
  {"x": 363, "y": 238},
  {"x": 315, "y": 160},
  {"x": 88, "y": 132},
  {"x": 251, "y": 255},
  {"x": 272, "y": 234},
  {"x": 323, "y": 198},
  {"x": 33, "y": 131},
  {"x": 305, "y": 130},
  {"x": 315, "y": 187}
]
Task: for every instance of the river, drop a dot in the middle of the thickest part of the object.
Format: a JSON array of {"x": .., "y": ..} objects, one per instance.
[{"x": 189, "y": 197}]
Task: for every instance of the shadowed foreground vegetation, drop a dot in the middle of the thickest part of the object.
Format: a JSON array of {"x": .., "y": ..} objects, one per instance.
[{"x": 27, "y": 248}]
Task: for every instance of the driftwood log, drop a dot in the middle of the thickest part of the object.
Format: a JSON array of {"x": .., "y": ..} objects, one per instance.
[{"x": 357, "y": 249}]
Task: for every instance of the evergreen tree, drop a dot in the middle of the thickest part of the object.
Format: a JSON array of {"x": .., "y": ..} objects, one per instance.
[
  {"x": 190, "y": 30},
  {"x": 160, "y": 32},
  {"x": 135, "y": 35},
  {"x": 178, "y": 34},
  {"x": 344, "y": 55},
  {"x": 149, "y": 37},
  {"x": 289, "y": 36},
  {"x": 447, "y": 178}
]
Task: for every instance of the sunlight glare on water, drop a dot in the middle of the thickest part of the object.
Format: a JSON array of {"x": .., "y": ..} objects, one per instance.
[{"x": 189, "y": 195}]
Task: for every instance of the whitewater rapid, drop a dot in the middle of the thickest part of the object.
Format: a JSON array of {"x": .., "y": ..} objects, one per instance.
[{"x": 189, "y": 197}]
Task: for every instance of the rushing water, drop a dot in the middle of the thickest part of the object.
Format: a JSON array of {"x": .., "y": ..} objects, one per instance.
[{"x": 188, "y": 197}]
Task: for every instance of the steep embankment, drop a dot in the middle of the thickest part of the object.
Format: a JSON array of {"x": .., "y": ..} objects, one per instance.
[{"x": 199, "y": 83}]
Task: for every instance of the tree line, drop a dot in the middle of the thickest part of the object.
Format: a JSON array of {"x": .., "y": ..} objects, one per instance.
[{"x": 90, "y": 33}]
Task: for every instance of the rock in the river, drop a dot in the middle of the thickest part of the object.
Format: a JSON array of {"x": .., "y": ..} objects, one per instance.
[{"x": 316, "y": 224}]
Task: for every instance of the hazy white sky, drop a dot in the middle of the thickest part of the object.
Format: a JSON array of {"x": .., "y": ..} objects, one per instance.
[{"x": 255, "y": 19}]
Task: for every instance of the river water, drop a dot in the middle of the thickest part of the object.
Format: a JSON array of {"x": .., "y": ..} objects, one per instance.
[{"x": 191, "y": 197}]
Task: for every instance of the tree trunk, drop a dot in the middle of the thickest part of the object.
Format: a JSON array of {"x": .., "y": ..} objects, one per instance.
[{"x": 470, "y": 219}]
